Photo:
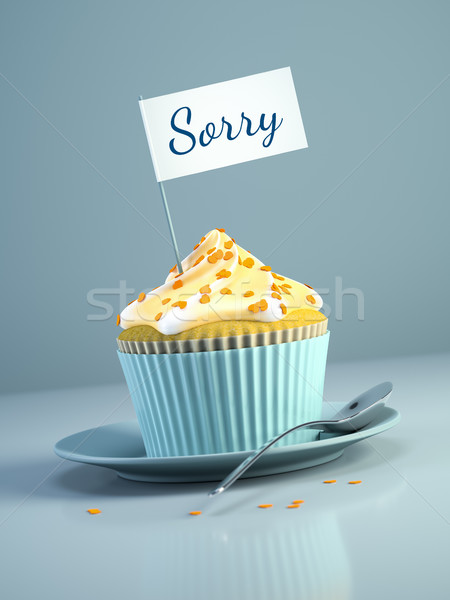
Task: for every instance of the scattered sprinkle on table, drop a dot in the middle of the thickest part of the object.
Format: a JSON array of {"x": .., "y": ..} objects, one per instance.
[
  {"x": 94, "y": 511},
  {"x": 195, "y": 513},
  {"x": 293, "y": 506},
  {"x": 330, "y": 481},
  {"x": 297, "y": 501},
  {"x": 265, "y": 505},
  {"x": 356, "y": 481}
]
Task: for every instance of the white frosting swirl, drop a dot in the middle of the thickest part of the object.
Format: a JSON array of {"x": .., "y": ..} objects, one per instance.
[{"x": 220, "y": 282}]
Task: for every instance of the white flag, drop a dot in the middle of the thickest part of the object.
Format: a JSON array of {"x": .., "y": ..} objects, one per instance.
[{"x": 223, "y": 124}]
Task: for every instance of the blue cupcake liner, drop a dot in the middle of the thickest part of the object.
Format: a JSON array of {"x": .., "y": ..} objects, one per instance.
[{"x": 226, "y": 400}]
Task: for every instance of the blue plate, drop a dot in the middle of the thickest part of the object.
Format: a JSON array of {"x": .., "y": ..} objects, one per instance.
[{"x": 119, "y": 447}]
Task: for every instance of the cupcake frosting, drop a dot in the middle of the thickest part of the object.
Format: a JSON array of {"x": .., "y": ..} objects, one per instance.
[{"x": 220, "y": 281}]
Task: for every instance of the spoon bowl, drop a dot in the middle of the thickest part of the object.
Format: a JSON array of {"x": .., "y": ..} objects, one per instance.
[
  {"x": 355, "y": 415},
  {"x": 360, "y": 412}
]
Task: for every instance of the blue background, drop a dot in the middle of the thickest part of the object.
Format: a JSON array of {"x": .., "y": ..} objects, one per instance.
[{"x": 368, "y": 201}]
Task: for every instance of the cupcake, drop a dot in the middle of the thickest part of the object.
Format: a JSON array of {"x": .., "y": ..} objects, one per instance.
[{"x": 223, "y": 356}]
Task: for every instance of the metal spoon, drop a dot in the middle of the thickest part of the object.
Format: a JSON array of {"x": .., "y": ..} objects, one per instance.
[{"x": 353, "y": 416}]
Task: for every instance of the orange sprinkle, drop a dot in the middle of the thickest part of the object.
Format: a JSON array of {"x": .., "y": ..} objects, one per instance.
[
  {"x": 248, "y": 262},
  {"x": 239, "y": 260},
  {"x": 180, "y": 304},
  {"x": 141, "y": 297},
  {"x": 205, "y": 299},
  {"x": 330, "y": 481},
  {"x": 233, "y": 240},
  {"x": 211, "y": 250},
  {"x": 226, "y": 291},
  {"x": 158, "y": 316},
  {"x": 177, "y": 275},
  {"x": 130, "y": 303},
  {"x": 287, "y": 285},
  {"x": 223, "y": 274},
  {"x": 266, "y": 268},
  {"x": 218, "y": 254},
  {"x": 275, "y": 288},
  {"x": 205, "y": 289},
  {"x": 203, "y": 239},
  {"x": 196, "y": 246},
  {"x": 275, "y": 295},
  {"x": 212, "y": 260},
  {"x": 227, "y": 255},
  {"x": 248, "y": 294},
  {"x": 94, "y": 511},
  {"x": 174, "y": 268},
  {"x": 293, "y": 506},
  {"x": 177, "y": 284},
  {"x": 297, "y": 501},
  {"x": 355, "y": 482},
  {"x": 199, "y": 260},
  {"x": 221, "y": 230},
  {"x": 278, "y": 276},
  {"x": 263, "y": 304},
  {"x": 228, "y": 244},
  {"x": 308, "y": 286},
  {"x": 166, "y": 300},
  {"x": 195, "y": 513},
  {"x": 283, "y": 308},
  {"x": 118, "y": 320},
  {"x": 311, "y": 299},
  {"x": 284, "y": 289},
  {"x": 265, "y": 505}
]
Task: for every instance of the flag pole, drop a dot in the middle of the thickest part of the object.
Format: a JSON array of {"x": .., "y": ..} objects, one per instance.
[{"x": 169, "y": 220}]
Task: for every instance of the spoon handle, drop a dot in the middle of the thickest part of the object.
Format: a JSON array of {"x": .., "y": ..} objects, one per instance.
[{"x": 253, "y": 457}]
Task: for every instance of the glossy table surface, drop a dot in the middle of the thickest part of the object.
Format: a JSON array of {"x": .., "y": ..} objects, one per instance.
[{"x": 386, "y": 537}]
